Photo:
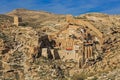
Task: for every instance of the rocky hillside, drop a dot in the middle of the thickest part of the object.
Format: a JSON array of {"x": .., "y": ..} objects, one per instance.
[
  {"x": 109, "y": 67},
  {"x": 37, "y": 18},
  {"x": 18, "y": 46}
]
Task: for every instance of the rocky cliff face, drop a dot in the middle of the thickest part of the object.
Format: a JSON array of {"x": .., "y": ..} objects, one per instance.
[{"x": 19, "y": 45}]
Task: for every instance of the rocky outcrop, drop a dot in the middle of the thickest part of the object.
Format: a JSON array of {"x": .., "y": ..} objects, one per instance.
[{"x": 16, "y": 56}]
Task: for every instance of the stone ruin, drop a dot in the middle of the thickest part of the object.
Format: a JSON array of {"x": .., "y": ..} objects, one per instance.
[
  {"x": 17, "y": 20},
  {"x": 79, "y": 41}
]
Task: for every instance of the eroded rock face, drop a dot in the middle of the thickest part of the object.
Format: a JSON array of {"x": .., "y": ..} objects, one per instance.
[{"x": 15, "y": 62}]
